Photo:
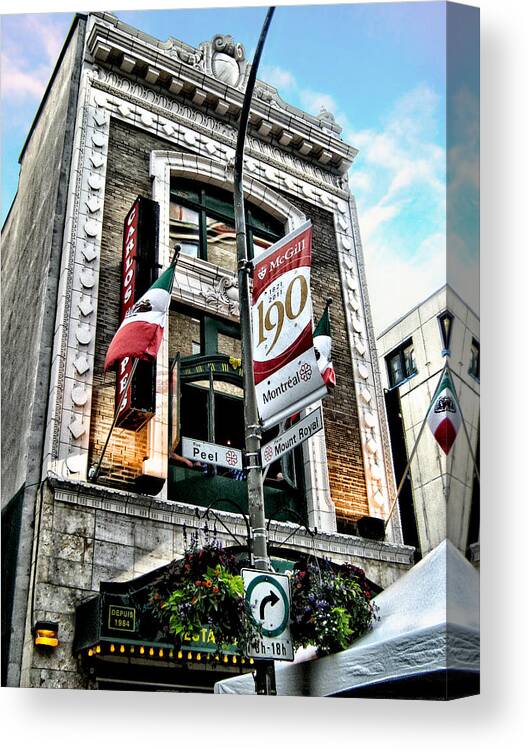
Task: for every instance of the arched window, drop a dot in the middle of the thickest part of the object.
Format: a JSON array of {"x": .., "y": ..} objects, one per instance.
[
  {"x": 206, "y": 394},
  {"x": 201, "y": 220},
  {"x": 206, "y": 397}
]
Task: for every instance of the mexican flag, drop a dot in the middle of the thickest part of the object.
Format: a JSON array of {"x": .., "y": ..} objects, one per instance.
[
  {"x": 322, "y": 346},
  {"x": 140, "y": 333},
  {"x": 444, "y": 417}
]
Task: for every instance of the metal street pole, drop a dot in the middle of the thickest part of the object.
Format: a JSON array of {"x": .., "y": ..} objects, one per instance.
[
  {"x": 265, "y": 677},
  {"x": 94, "y": 470}
]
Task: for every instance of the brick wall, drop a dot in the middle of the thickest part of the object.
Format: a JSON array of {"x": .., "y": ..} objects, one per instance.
[
  {"x": 183, "y": 330},
  {"x": 31, "y": 251},
  {"x": 342, "y": 430},
  {"x": 128, "y": 176}
]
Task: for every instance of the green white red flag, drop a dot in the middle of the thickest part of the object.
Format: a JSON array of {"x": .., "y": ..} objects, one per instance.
[
  {"x": 140, "y": 333},
  {"x": 444, "y": 418},
  {"x": 323, "y": 348}
]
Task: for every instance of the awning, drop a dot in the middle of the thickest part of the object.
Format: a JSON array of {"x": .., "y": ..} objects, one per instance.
[
  {"x": 426, "y": 643},
  {"x": 119, "y": 642}
]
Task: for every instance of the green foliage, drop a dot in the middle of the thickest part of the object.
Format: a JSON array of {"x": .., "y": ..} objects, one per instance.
[
  {"x": 205, "y": 589},
  {"x": 330, "y": 608},
  {"x": 331, "y": 605}
]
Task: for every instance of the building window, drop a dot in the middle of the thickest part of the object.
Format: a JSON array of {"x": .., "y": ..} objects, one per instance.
[
  {"x": 474, "y": 359},
  {"x": 401, "y": 364},
  {"x": 446, "y": 320},
  {"x": 206, "y": 404},
  {"x": 201, "y": 220}
]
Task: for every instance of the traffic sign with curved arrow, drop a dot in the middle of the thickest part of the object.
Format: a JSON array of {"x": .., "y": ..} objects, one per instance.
[{"x": 268, "y": 595}]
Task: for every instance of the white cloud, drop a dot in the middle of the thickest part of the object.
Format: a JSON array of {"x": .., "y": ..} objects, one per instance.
[
  {"x": 49, "y": 33},
  {"x": 311, "y": 101},
  {"x": 402, "y": 207},
  {"x": 396, "y": 283},
  {"x": 398, "y": 179},
  {"x": 278, "y": 77},
  {"x": 25, "y": 77},
  {"x": 20, "y": 83},
  {"x": 314, "y": 101},
  {"x": 463, "y": 155},
  {"x": 359, "y": 180},
  {"x": 414, "y": 114},
  {"x": 375, "y": 216}
]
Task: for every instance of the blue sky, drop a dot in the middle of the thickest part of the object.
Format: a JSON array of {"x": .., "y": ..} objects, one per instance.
[{"x": 379, "y": 68}]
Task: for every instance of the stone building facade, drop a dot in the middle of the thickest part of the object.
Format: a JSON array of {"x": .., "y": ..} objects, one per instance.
[
  {"x": 126, "y": 115},
  {"x": 441, "y": 499}
]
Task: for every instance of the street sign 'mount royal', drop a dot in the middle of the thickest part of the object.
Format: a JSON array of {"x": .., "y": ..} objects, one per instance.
[
  {"x": 268, "y": 595},
  {"x": 211, "y": 453},
  {"x": 291, "y": 438}
]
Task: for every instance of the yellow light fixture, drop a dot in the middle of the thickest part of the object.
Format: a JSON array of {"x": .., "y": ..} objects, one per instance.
[
  {"x": 189, "y": 655},
  {"x": 90, "y": 652},
  {"x": 251, "y": 660},
  {"x": 45, "y": 634},
  {"x": 180, "y": 655},
  {"x": 225, "y": 660},
  {"x": 98, "y": 649},
  {"x": 112, "y": 648},
  {"x": 132, "y": 649},
  {"x": 142, "y": 650},
  {"x": 199, "y": 657},
  {"x": 234, "y": 660},
  {"x": 151, "y": 651},
  {"x": 160, "y": 653},
  {"x": 122, "y": 649},
  {"x": 171, "y": 654}
]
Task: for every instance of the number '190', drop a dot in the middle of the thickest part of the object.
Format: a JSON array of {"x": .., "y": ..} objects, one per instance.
[{"x": 274, "y": 317}]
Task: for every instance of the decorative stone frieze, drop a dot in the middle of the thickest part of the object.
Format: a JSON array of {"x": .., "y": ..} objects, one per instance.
[
  {"x": 216, "y": 72},
  {"x": 109, "y": 94},
  {"x": 339, "y": 547}
]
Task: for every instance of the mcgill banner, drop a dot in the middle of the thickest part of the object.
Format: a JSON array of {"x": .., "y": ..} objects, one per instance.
[{"x": 286, "y": 373}]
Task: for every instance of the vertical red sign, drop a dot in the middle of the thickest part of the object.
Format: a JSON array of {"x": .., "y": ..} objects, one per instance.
[
  {"x": 128, "y": 289},
  {"x": 139, "y": 271}
]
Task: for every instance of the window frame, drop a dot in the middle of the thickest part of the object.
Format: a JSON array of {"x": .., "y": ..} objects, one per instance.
[
  {"x": 399, "y": 351},
  {"x": 210, "y": 328},
  {"x": 201, "y": 207},
  {"x": 475, "y": 373}
]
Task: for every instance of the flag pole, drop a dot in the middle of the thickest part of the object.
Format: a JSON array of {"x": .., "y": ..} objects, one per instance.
[
  {"x": 94, "y": 471},
  {"x": 265, "y": 674},
  {"x": 412, "y": 454},
  {"x": 407, "y": 469},
  {"x": 472, "y": 454}
]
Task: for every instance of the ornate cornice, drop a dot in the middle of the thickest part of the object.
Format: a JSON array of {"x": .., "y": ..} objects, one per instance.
[
  {"x": 186, "y": 115},
  {"x": 339, "y": 547},
  {"x": 213, "y": 77}
]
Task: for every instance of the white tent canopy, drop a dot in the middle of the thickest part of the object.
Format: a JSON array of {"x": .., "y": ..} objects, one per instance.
[{"x": 429, "y": 623}]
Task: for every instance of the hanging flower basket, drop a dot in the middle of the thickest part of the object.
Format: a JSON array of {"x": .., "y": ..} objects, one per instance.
[
  {"x": 331, "y": 606},
  {"x": 205, "y": 590}
]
